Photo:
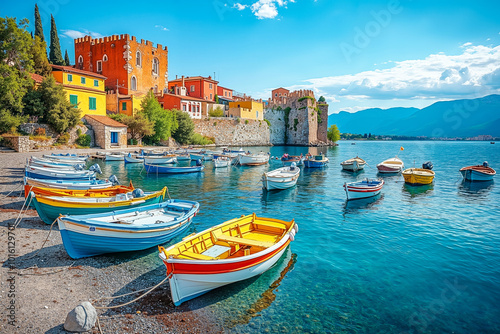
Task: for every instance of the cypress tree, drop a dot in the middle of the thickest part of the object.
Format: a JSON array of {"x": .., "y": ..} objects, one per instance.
[
  {"x": 66, "y": 58},
  {"x": 55, "y": 55},
  {"x": 38, "y": 24}
]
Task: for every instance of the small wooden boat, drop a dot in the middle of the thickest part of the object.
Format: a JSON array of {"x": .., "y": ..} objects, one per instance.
[
  {"x": 103, "y": 192},
  {"x": 61, "y": 174},
  {"x": 478, "y": 173},
  {"x": 125, "y": 230},
  {"x": 156, "y": 169},
  {"x": 230, "y": 252},
  {"x": 133, "y": 159},
  {"x": 183, "y": 157},
  {"x": 363, "y": 189},
  {"x": 238, "y": 151},
  {"x": 315, "y": 161},
  {"x": 55, "y": 165},
  {"x": 353, "y": 165},
  {"x": 53, "y": 162},
  {"x": 492, "y": 142},
  {"x": 393, "y": 165},
  {"x": 201, "y": 156},
  {"x": 50, "y": 207},
  {"x": 418, "y": 176},
  {"x": 281, "y": 178},
  {"x": 159, "y": 160},
  {"x": 70, "y": 184},
  {"x": 70, "y": 157},
  {"x": 115, "y": 157},
  {"x": 222, "y": 162},
  {"x": 253, "y": 159},
  {"x": 288, "y": 160},
  {"x": 64, "y": 161}
]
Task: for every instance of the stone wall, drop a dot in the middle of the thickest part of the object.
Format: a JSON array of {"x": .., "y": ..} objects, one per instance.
[
  {"x": 234, "y": 132},
  {"x": 277, "y": 130},
  {"x": 31, "y": 127},
  {"x": 17, "y": 143}
]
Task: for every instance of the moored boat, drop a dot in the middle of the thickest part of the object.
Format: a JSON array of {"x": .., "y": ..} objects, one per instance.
[
  {"x": 288, "y": 160},
  {"x": 159, "y": 160},
  {"x": 157, "y": 169},
  {"x": 353, "y": 165},
  {"x": 71, "y": 184},
  {"x": 71, "y": 157},
  {"x": 222, "y": 162},
  {"x": 315, "y": 161},
  {"x": 125, "y": 230},
  {"x": 363, "y": 189},
  {"x": 478, "y": 173},
  {"x": 114, "y": 157},
  {"x": 281, "y": 178},
  {"x": 418, "y": 176},
  {"x": 61, "y": 174},
  {"x": 393, "y": 165},
  {"x": 232, "y": 251},
  {"x": 133, "y": 159},
  {"x": 103, "y": 192},
  {"x": 253, "y": 159},
  {"x": 50, "y": 207}
]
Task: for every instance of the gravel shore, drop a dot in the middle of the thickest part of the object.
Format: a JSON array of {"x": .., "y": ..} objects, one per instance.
[{"x": 43, "y": 287}]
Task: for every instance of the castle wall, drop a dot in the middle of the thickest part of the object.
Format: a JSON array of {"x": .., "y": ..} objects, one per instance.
[
  {"x": 277, "y": 129},
  {"x": 233, "y": 132}
]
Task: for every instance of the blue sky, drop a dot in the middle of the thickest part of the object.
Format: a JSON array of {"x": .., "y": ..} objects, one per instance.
[{"x": 358, "y": 54}]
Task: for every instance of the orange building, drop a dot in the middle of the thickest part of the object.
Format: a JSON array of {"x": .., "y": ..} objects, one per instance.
[
  {"x": 280, "y": 95},
  {"x": 200, "y": 87},
  {"x": 132, "y": 67},
  {"x": 192, "y": 105}
]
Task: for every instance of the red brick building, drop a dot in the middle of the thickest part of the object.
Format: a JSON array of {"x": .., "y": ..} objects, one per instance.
[
  {"x": 132, "y": 67},
  {"x": 280, "y": 95},
  {"x": 192, "y": 105},
  {"x": 201, "y": 87}
]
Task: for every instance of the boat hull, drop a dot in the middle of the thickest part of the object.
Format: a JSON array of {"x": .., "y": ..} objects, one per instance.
[
  {"x": 202, "y": 157},
  {"x": 473, "y": 175},
  {"x": 80, "y": 185},
  {"x": 253, "y": 160},
  {"x": 389, "y": 169},
  {"x": 154, "y": 169},
  {"x": 132, "y": 160},
  {"x": 355, "y": 191},
  {"x": 314, "y": 164},
  {"x": 219, "y": 162},
  {"x": 416, "y": 178},
  {"x": 282, "y": 178},
  {"x": 184, "y": 287},
  {"x": 83, "y": 237},
  {"x": 57, "y": 174},
  {"x": 160, "y": 160},
  {"x": 113, "y": 157},
  {"x": 354, "y": 166}
]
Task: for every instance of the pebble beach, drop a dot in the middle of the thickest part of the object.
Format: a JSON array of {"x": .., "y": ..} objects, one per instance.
[{"x": 44, "y": 284}]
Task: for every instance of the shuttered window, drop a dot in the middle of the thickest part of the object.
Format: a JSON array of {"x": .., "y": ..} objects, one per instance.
[
  {"x": 70, "y": 77},
  {"x": 73, "y": 99},
  {"x": 96, "y": 83},
  {"x": 82, "y": 80},
  {"x": 92, "y": 103}
]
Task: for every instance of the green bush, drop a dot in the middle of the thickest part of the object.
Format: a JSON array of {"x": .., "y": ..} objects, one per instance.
[
  {"x": 9, "y": 122},
  {"x": 215, "y": 123},
  {"x": 132, "y": 141},
  {"x": 217, "y": 112},
  {"x": 63, "y": 139},
  {"x": 306, "y": 97},
  {"x": 83, "y": 140},
  {"x": 78, "y": 132},
  {"x": 268, "y": 123},
  {"x": 198, "y": 139},
  {"x": 246, "y": 121}
]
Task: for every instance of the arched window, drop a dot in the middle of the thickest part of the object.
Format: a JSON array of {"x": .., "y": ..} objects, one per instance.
[
  {"x": 105, "y": 58},
  {"x": 133, "y": 83},
  {"x": 138, "y": 59},
  {"x": 156, "y": 66},
  {"x": 80, "y": 61}
]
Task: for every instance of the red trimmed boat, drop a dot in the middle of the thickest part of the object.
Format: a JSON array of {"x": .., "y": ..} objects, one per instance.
[
  {"x": 232, "y": 251},
  {"x": 363, "y": 189}
]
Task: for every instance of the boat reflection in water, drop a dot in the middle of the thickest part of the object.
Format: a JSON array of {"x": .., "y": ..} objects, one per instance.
[
  {"x": 476, "y": 190},
  {"x": 362, "y": 204},
  {"x": 270, "y": 279},
  {"x": 270, "y": 198},
  {"x": 415, "y": 191}
]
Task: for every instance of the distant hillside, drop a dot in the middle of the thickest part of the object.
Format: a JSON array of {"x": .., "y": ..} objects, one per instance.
[{"x": 459, "y": 118}]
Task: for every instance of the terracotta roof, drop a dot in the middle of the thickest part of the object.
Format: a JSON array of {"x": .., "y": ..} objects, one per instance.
[
  {"x": 193, "y": 78},
  {"x": 36, "y": 77},
  {"x": 106, "y": 121},
  {"x": 72, "y": 69}
]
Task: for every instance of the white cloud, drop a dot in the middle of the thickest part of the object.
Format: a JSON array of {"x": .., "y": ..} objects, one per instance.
[
  {"x": 473, "y": 73},
  {"x": 161, "y": 27},
  {"x": 239, "y": 6},
  {"x": 73, "y": 34}
]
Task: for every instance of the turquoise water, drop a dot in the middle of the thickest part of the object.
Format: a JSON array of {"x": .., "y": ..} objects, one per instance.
[{"x": 415, "y": 260}]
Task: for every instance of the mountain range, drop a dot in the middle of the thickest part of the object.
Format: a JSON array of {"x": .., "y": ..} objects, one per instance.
[{"x": 458, "y": 118}]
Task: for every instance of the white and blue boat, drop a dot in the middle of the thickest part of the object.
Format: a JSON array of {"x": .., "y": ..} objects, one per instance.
[
  {"x": 72, "y": 157},
  {"x": 62, "y": 174},
  {"x": 158, "y": 169},
  {"x": 71, "y": 184},
  {"x": 125, "y": 230},
  {"x": 53, "y": 162},
  {"x": 478, "y": 173},
  {"x": 315, "y": 161},
  {"x": 363, "y": 189},
  {"x": 130, "y": 159}
]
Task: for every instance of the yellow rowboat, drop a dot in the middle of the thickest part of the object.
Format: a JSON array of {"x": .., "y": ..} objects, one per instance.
[
  {"x": 418, "y": 176},
  {"x": 232, "y": 251},
  {"x": 50, "y": 207}
]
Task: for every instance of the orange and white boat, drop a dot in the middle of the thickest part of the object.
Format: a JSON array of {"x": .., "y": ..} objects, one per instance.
[{"x": 232, "y": 251}]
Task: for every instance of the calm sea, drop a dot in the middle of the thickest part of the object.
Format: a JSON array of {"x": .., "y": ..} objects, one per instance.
[{"x": 414, "y": 259}]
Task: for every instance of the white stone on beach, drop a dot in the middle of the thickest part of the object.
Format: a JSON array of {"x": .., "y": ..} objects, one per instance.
[{"x": 81, "y": 319}]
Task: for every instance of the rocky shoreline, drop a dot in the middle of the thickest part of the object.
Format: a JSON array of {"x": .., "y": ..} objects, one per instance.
[{"x": 43, "y": 287}]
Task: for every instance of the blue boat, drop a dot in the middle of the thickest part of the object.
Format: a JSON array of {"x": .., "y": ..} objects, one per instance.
[
  {"x": 157, "y": 169},
  {"x": 315, "y": 161},
  {"x": 125, "y": 230},
  {"x": 71, "y": 184}
]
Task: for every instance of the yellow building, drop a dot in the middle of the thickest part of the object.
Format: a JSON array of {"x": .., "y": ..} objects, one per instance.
[
  {"x": 85, "y": 89},
  {"x": 246, "y": 109}
]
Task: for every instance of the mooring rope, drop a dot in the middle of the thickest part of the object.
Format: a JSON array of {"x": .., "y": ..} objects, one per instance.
[
  {"x": 48, "y": 235},
  {"x": 15, "y": 188}
]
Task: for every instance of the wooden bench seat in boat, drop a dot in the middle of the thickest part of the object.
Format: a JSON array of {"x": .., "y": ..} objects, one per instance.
[
  {"x": 280, "y": 226},
  {"x": 196, "y": 256},
  {"x": 244, "y": 241}
]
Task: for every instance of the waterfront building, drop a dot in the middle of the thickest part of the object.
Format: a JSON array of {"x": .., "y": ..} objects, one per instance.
[
  {"x": 192, "y": 105},
  {"x": 108, "y": 132},
  {"x": 225, "y": 96},
  {"x": 204, "y": 88},
  {"x": 84, "y": 88},
  {"x": 249, "y": 109},
  {"x": 132, "y": 68}
]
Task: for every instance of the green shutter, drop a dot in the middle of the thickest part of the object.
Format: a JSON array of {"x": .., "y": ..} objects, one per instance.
[
  {"x": 124, "y": 105},
  {"x": 82, "y": 80},
  {"x": 92, "y": 103},
  {"x": 70, "y": 77},
  {"x": 96, "y": 83},
  {"x": 73, "y": 99}
]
